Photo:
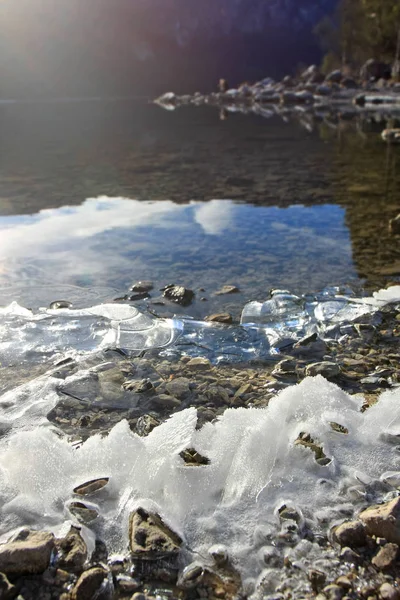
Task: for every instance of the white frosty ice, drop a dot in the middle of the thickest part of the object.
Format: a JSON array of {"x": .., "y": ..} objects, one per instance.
[{"x": 255, "y": 467}]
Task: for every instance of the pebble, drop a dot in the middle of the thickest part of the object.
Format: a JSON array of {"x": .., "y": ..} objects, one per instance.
[
  {"x": 386, "y": 557},
  {"x": 199, "y": 364},
  {"x": 225, "y": 318},
  {"x": 351, "y": 533},
  {"x": 329, "y": 370},
  {"x": 142, "y": 286},
  {"x": 227, "y": 289},
  {"x": 389, "y": 592}
]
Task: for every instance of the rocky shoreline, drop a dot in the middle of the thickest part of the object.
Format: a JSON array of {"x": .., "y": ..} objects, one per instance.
[
  {"x": 311, "y": 89},
  {"x": 358, "y": 559}
]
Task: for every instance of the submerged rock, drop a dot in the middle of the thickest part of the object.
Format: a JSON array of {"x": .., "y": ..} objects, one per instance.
[
  {"x": 142, "y": 286},
  {"x": 227, "y": 289},
  {"x": 28, "y": 552},
  {"x": 150, "y": 538},
  {"x": 225, "y": 318}
]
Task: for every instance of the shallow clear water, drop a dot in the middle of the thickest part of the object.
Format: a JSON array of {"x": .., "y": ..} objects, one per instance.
[{"x": 98, "y": 195}]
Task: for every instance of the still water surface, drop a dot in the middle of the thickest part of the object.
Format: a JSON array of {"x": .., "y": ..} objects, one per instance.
[{"x": 96, "y": 196}]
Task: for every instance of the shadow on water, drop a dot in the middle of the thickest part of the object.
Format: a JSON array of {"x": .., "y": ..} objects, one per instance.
[{"x": 310, "y": 198}]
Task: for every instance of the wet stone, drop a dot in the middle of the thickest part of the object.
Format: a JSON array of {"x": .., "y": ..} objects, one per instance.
[
  {"x": 28, "y": 552},
  {"x": 329, "y": 370},
  {"x": 138, "y": 387},
  {"x": 383, "y": 521},
  {"x": 178, "y": 387},
  {"x": 142, "y": 286},
  {"x": 7, "y": 589},
  {"x": 227, "y": 289},
  {"x": 351, "y": 533},
  {"x": 389, "y": 592},
  {"x": 386, "y": 557},
  {"x": 73, "y": 551},
  {"x": 178, "y": 294},
  {"x": 89, "y": 584},
  {"x": 83, "y": 513},
  {"x": 166, "y": 401},
  {"x": 225, "y": 318},
  {"x": 199, "y": 364},
  {"x": 150, "y": 538},
  {"x": 90, "y": 487}
]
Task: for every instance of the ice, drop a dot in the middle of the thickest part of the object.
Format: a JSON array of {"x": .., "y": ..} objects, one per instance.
[{"x": 255, "y": 467}]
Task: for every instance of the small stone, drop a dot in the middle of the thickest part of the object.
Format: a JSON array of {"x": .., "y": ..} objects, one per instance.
[
  {"x": 227, "y": 289},
  {"x": 178, "y": 387},
  {"x": 386, "y": 557},
  {"x": 310, "y": 345},
  {"x": 327, "y": 369},
  {"x": 88, "y": 584},
  {"x": 166, "y": 401},
  {"x": 138, "y": 387},
  {"x": 383, "y": 521},
  {"x": 246, "y": 388},
  {"x": 199, "y": 364},
  {"x": 349, "y": 556},
  {"x": 90, "y": 487},
  {"x": 225, "y": 318},
  {"x": 394, "y": 225},
  {"x": 150, "y": 538},
  {"x": 127, "y": 585},
  {"x": 142, "y": 286},
  {"x": 138, "y": 296},
  {"x": 82, "y": 513},
  {"x": 333, "y": 592},
  {"x": 351, "y": 533},
  {"x": 317, "y": 579},
  {"x": 178, "y": 294},
  {"x": 73, "y": 550},
  {"x": 389, "y": 592},
  {"x": 344, "y": 582},
  {"x": 58, "y": 304},
  {"x": 28, "y": 552}
]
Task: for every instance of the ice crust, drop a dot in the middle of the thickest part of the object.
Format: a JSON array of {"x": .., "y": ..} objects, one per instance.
[
  {"x": 25, "y": 335},
  {"x": 255, "y": 467}
]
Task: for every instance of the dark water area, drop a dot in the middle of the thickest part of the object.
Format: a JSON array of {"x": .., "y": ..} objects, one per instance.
[{"x": 95, "y": 195}]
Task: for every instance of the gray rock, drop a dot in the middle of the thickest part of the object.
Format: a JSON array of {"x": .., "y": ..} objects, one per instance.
[
  {"x": 179, "y": 294},
  {"x": 351, "y": 533},
  {"x": 82, "y": 513},
  {"x": 28, "y": 552},
  {"x": 73, "y": 551},
  {"x": 386, "y": 557},
  {"x": 310, "y": 345},
  {"x": 383, "y": 521},
  {"x": 150, "y": 538},
  {"x": 89, "y": 584},
  {"x": 325, "y": 368}
]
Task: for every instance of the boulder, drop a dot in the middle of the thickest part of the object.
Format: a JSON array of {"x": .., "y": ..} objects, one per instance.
[
  {"x": 383, "y": 520},
  {"x": 150, "y": 538},
  {"x": 28, "y": 552}
]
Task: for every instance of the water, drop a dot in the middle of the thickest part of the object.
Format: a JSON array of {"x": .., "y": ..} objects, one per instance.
[{"x": 98, "y": 195}]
